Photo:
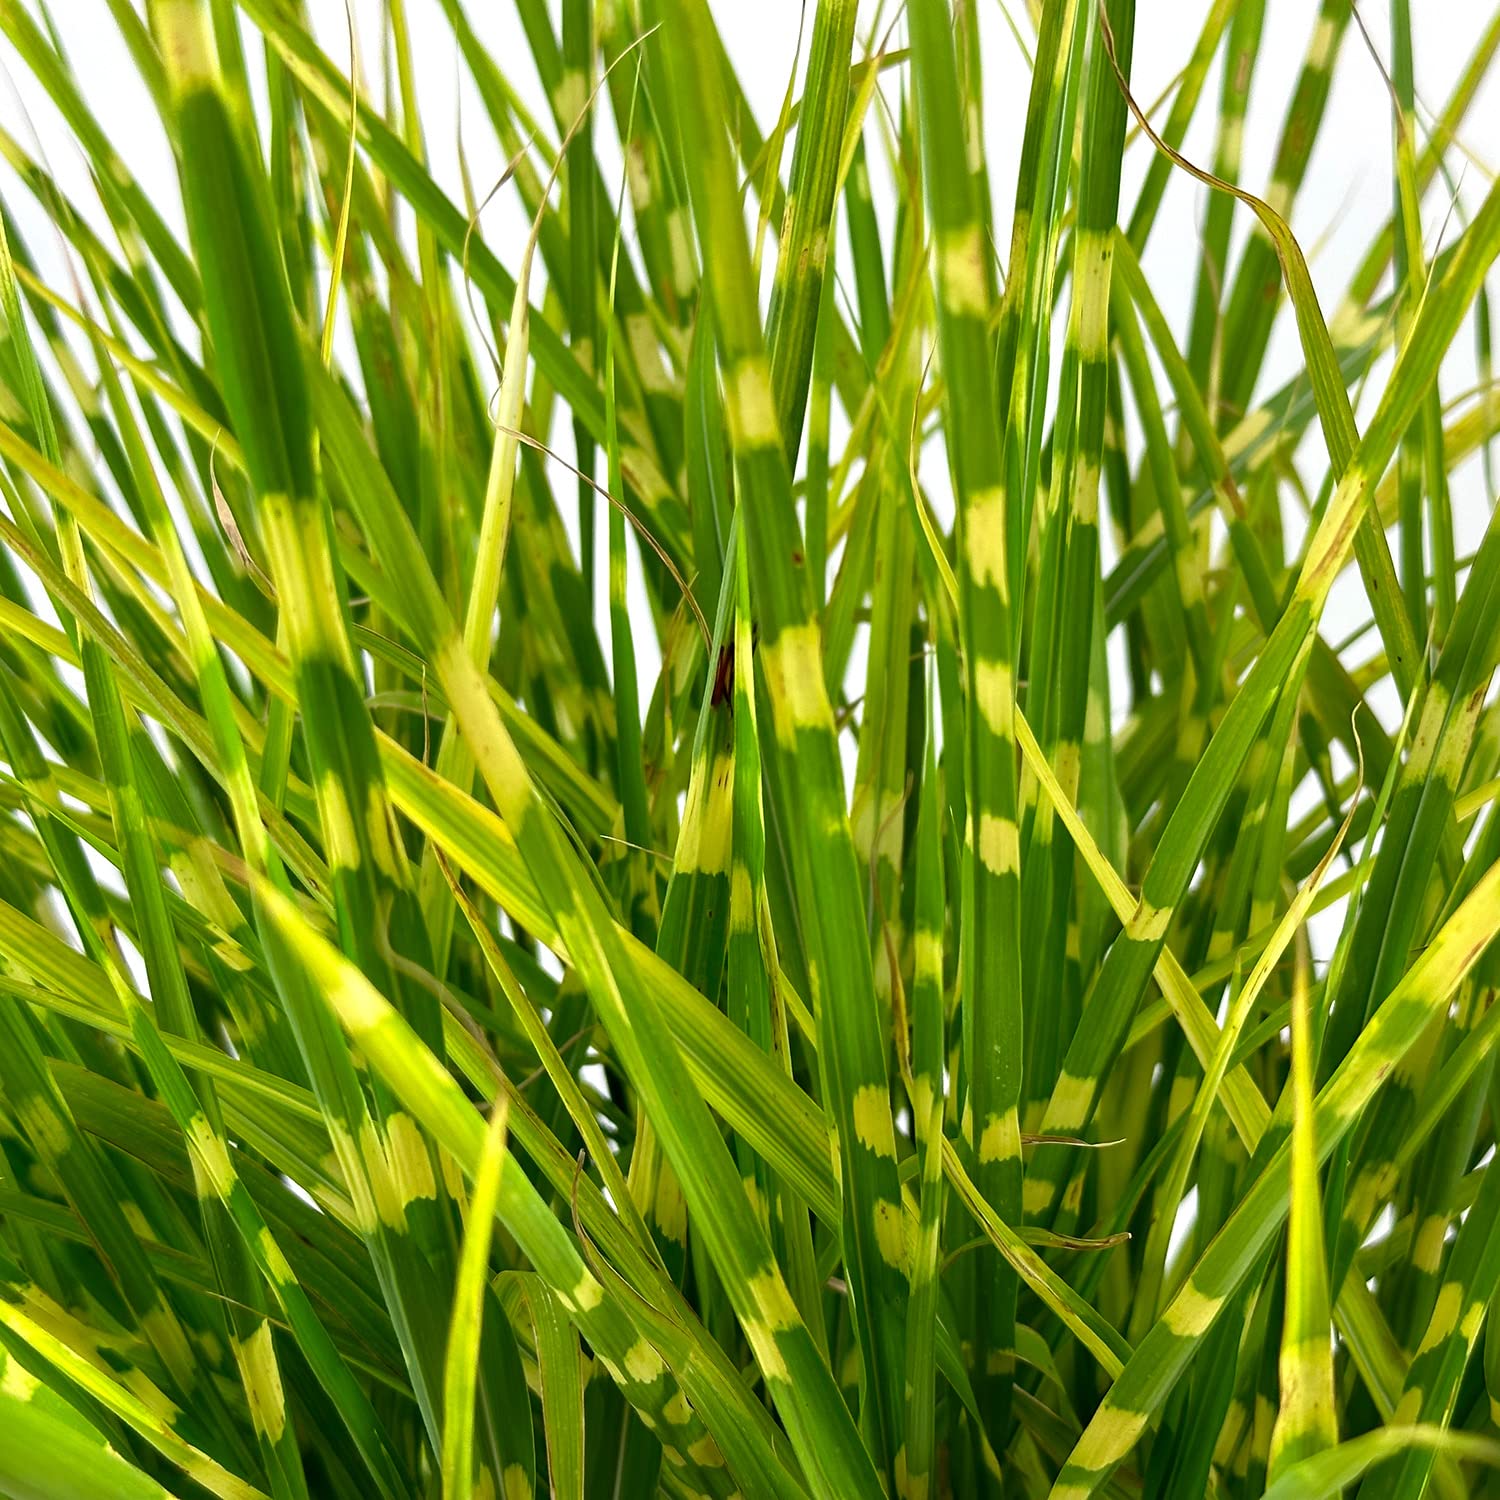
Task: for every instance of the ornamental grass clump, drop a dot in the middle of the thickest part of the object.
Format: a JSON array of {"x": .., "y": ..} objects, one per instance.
[{"x": 723, "y": 843}]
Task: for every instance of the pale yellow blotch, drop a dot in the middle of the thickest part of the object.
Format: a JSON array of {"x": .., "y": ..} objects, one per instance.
[
  {"x": 639, "y": 178},
  {"x": 1093, "y": 253},
  {"x": 703, "y": 846},
  {"x": 903, "y": 1479},
  {"x": 495, "y": 753},
  {"x": 927, "y": 951},
  {"x": 1471, "y": 1322},
  {"x": 1065, "y": 763},
  {"x": 139, "y": 1225},
  {"x": 876, "y": 831},
  {"x": 649, "y": 481},
  {"x": 1001, "y": 1138},
  {"x": 984, "y": 540},
  {"x": 1231, "y": 138},
  {"x": 1086, "y": 492},
  {"x": 388, "y": 1204},
  {"x": 1279, "y": 200},
  {"x": 1189, "y": 737},
  {"x": 1444, "y": 1317},
  {"x": 187, "y": 47},
  {"x": 680, "y": 250},
  {"x": 586, "y": 1295},
  {"x": 767, "y": 1351},
  {"x": 1320, "y": 48},
  {"x": 310, "y": 604},
  {"x": 793, "y": 665},
  {"x": 1230, "y": 1433},
  {"x": 1408, "y": 1409},
  {"x": 1246, "y": 433},
  {"x": 669, "y": 1208},
  {"x": 756, "y": 1199},
  {"x": 256, "y": 1356},
  {"x": 1265, "y": 1418},
  {"x": 149, "y": 1395},
  {"x": 1036, "y": 1196},
  {"x": 999, "y": 844},
  {"x": 232, "y": 956},
  {"x": 1045, "y": 815},
  {"x": 1191, "y": 1311},
  {"x": 1071, "y": 1100},
  {"x": 705, "y": 1453},
  {"x": 16, "y": 1381},
  {"x": 411, "y": 1162},
  {"x": 890, "y": 1233},
  {"x": 741, "y": 900},
  {"x": 774, "y": 1302},
  {"x": 643, "y": 1364},
  {"x": 922, "y": 1100},
  {"x": 360, "y": 1006},
  {"x": 750, "y": 407},
  {"x": 381, "y": 833},
  {"x": 872, "y": 1120},
  {"x": 677, "y": 1411},
  {"x": 517, "y": 1486},
  {"x": 1372, "y": 1187},
  {"x": 211, "y": 1155},
  {"x": 1149, "y": 923},
  {"x": 484, "y": 1484},
  {"x": 995, "y": 696},
  {"x": 1429, "y": 726},
  {"x": 1020, "y": 233},
  {"x": 570, "y": 97},
  {"x": 1354, "y": 323},
  {"x": 1427, "y": 1247},
  {"x": 1189, "y": 579},
  {"x": 961, "y": 277},
  {"x": 1109, "y": 1437},
  {"x": 1452, "y": 757},
  {"x": 1072, "y": 1198},
  {"x": 817, "y": 250},
  {"x": 974, "y": 136},
  {"x": 275, "y": 1262},
  {"x": 453, "y": 1177}
]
